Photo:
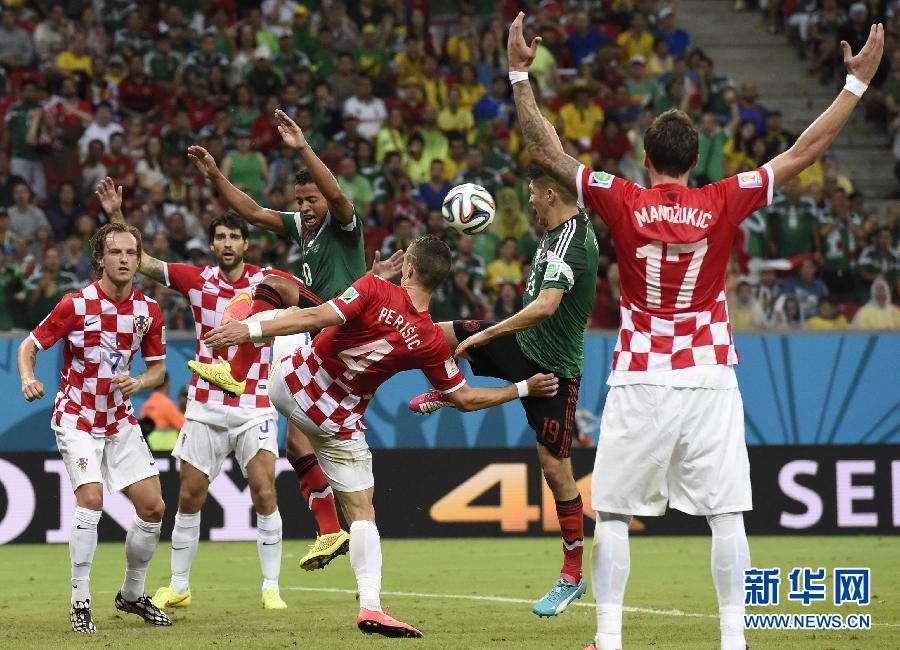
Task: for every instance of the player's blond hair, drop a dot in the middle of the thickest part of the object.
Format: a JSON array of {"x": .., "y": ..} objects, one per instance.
[{"x": 98, "y": 242}]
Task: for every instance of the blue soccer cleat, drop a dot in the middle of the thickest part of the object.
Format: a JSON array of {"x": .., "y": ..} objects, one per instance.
[{"x": 558, "y": 598}]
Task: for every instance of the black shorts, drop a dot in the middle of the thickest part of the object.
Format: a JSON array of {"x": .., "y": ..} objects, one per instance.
[{"x": 552, "y": 418}]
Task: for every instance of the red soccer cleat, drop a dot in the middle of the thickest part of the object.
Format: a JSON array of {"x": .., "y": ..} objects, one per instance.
[
  {"x": 238, "y": 308},
  {"x": 428, "y": 402},
  {"x": 372, "y": 622}
]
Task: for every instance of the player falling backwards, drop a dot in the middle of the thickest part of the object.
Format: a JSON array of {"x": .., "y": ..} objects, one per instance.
[
  {"x": 672, "y": 430},
  {"x": 546, "y": 336},
  {"x": 217, "y": 424},
  {"x": 330, "y": 239},
  {"x": 104, "y": 326},
  {"x": 372, "y": 331}
]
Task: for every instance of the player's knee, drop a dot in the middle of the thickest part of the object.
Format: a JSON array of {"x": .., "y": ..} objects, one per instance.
[
  {"x": 191, "y": 498},
  {"x": 263, "y": 496},
  {"x": 557, "y": 475},
  {"x": 153, "y": 511},
  {"x": 91, "y": 499}
]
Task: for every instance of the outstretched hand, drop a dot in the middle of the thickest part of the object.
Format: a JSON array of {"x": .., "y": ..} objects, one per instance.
[
  {"x": 231, "y": 333},
  {"x": 290, "y": 132},
  {"x": 389, "y": 268},
  {"x": 864, "y": 65},
  {"x": 203, "y": 160},
  {"x": 109, "y": 195},
  {"x": 519, "y": 52}
]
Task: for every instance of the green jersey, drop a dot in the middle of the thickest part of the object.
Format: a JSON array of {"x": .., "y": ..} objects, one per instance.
[
  {"x": 332, "y": 258},
  {"x": 566, "y": 259},
  {"x": 792, "y": 226}
]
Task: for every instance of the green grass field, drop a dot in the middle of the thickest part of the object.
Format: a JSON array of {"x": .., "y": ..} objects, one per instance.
[{"x": 463, "y": 593}]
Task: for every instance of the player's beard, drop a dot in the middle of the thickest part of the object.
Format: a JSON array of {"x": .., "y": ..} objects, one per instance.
[{"x": 225, "y": 265}]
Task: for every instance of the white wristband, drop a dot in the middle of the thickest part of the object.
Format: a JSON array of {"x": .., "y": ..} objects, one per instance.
[
  {"x": 855, "y": 86},
  {"x": 256, "y": 334},
  {"x": 515, "y": 76},
  {"x": 522, "y": 388}
]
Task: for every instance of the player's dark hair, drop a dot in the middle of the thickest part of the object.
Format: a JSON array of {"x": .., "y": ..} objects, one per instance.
[
  {"x": 539, "y": 177},
  {"x": 231, "y": 221},
  {"x": 98, "y": 243},
  {"x": 431, "y": 259},
  {"x": 671, "y": 143},
  {"x": 303, "y": 177}
]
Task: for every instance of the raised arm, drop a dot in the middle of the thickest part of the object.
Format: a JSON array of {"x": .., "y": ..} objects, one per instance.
[
  {"x": 32, "y": 388},
  {"x": 293, "y": 136},
  {"x": 542, "y": 146},
  {"x": 475, "y": 398},
  {"x": 819, "y": 135},
  {"x": 110, "y": 198},
  {"x": 238, "y": 200}
]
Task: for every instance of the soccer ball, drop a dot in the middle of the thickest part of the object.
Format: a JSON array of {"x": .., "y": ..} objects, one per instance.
[{"x": 468, "y": 209}]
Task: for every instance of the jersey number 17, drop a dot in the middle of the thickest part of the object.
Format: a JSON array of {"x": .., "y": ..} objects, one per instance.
[{"x": 653, "y": 253}]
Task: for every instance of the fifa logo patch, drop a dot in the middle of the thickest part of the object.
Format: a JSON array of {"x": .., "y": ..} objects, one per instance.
[
  {"x": 82, "y": 464},
  {"x": 750, "y": 180},
  {"x": 349, "y": 295},
  {"x": 601, "y": 179},
  {"x": 451, "y": 368},
  {"x": 142, "y": 324},
  {"x": 553, "y": 271}
]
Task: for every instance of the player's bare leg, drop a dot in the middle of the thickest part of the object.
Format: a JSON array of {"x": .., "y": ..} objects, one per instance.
[
  {"x": 261, "y": 479},
  {"x": 140, "y": 545},
  {"x": 82, "y": 546},
  {"x": 561, "y": 481},
  {"x": 185, "y": 537},
  {"x": 365, "y": 558},
  {"x": 331, "y": 541}
]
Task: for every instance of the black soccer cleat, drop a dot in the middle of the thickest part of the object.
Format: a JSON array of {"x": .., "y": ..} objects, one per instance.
[
  {"x": 82, "y": 618},
  {"x": 144, "y": 608}
]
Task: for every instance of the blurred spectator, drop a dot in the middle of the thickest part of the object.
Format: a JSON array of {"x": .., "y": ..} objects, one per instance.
[
  {"x": 581, "y": 118},
  {"x": 101, "y": 128},
  {"x": 404, "y": 204},
  {"x": 840, "y": 229},
  {"x": 476, "y": 172},
  {"x": 636, "y": 41},
  {"x": 496, "y": 105},
  {"x": 767, "y": 291},
  {"x": 119, "y": 165},
  {"x": 24, "y": 160},
  {"x": 505, "y": 269},
  {"x": 509, "y": 218},
  {"x": 160, "y": 408},
  {"x": 793, "y": 227},
  {"x": 641, "y": 88},
  {"x": 161, "y": 63},
  {"x": 357, "y": 188},
  {"x": 508, "y": 301},
  {"x": 711, "y": 148},
  {"x": 677, "y": 39},
  {"x": 786, "y": 314},
  {"x": 8, "y": 180},
  {"x": 246, "y": 169},
  {"x": 24, "y": 217},
  {"x": 454, "y": 117},
  {"x": 750, "y": 109},
  {"x": 878, "y": 313},
  {"x": 623, "y": 109},
  {"x": 92, "y": 168},
  {"x": 132, "y": 39},
  {"x": 436, "y": 143},
  {"x": 744, "y": 310},
  {"x": 610, "y": 142},
  {"x": 464, "y": 296},
  {"x": 606, "y": 313},
  {"x": 470, "y": 91},
  {"x": 11, "y": 285},
  {"x": 75, "y": 59},
  {"x": 584, "y": 39},
  {"x": 368, "y": 109},
  {"x": 436, "y": 187},
  {"x": 465, "y": 257},
  {"x": 777, "y": 139},
  {"x": 52, "y": 33},
  {"x": 149, "y": 168},
  {"x": 74, "y": 260},
  {"x": 417, "y": 165},
  {"x": 456, "y": 161},
  {"x": 399, "y": 239},
  {"x": 262, "y": 76},
  {"x": 392, "y": 136},
  {"x": 47, "y": 286},
  {"x": 828, "y": 318},
  {"x": 16, "y": 47},
  {"x": 805, "y": 288},
  {"x": 63, "y": 211},
  {"x": 879, "y": 259}
]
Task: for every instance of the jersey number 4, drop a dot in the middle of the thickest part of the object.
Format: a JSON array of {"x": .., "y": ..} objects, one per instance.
[
  {"x": 363, "y": 356},
  {"x": 653, "y": 253}
]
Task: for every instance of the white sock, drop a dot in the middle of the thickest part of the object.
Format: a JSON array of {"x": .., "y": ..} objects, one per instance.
[
  {"x": 268, "y": 543},
  {"x": 730, "y": 558},
  {"x": 82, "y": 544},
  {"x": 140, "y": 545},
  {"x": 365, "y": 558},
  {"x": 185, "y": 540},
  {"x": 610, "y": 565}
]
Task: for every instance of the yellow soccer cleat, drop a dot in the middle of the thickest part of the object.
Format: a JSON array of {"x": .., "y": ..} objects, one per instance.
[
  {"x": 168, "y": 598},
  {"x": 271, "y": 599},
  {"x": 326, "y": 548},
  {"x": 219, "y": 374}
]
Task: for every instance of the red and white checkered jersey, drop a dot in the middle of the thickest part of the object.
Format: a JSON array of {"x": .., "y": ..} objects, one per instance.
[
  {"x": 335, "y": 377},
  {"x": 101, "y": 340},
  {"x": 672, "y": 245},
  {"x": 208, "y": 292}
]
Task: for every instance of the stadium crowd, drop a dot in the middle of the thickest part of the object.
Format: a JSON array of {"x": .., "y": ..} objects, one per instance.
[{"x": 403, "y": 100}]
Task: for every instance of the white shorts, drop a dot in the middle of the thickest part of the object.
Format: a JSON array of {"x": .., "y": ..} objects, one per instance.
[
  {"x": 206, "y": 446},
  {"x": 681, "y": 446},
  {"x": 116, "y": 461},
  {"x": 347, "y": 464}
]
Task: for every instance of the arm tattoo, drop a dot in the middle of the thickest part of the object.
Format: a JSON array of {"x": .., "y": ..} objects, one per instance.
[
  {"x": 153, "y": 268},
  {"x": 543, "y": 150}
]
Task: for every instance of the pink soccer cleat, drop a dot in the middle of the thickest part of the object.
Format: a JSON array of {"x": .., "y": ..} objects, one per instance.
[
  {"x": 238, "y": 308},
  {"x": 428, "y": 402},
  {"x": 372, "y": 622}
]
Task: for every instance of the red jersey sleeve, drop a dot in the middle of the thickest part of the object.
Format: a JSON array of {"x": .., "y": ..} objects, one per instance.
[
  {"x": 182, "y": 277},
  {"x": 153, "y": 345},
  {"x": 747, "y": 192},
  {"x": 602, "y": 192},
  {"x": 56, "y": 325},
  {"x": 441, "y": 370},
  {"x": 353, "y": 301}
]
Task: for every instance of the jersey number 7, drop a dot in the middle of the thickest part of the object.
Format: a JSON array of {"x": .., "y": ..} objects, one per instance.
[
  {"x": 363, "y": 356},
  {"x": 653, "y": 253}
]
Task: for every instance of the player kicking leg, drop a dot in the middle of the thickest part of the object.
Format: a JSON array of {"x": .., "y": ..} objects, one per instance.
[{"x": 202, "y": 448}]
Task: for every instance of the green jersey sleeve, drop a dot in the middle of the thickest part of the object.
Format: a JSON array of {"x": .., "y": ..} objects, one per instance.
[
  {"x": 292, "y": 225},
  {"x": 562, "y": 270},
  {"x": 352, "y": 230}
]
